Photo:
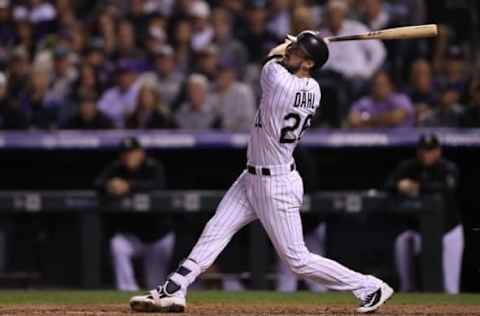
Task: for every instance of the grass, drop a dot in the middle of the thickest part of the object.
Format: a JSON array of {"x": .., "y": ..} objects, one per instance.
[{"x": 113, "y": 297}]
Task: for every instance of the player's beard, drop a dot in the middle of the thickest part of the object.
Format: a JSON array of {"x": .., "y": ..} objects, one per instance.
[{"x": 291, "y": 68}]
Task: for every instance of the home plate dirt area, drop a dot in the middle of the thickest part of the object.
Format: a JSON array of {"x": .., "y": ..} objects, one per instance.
[
  {"x": 239, "y": 309},
  {"x": 218, "y": 303}
]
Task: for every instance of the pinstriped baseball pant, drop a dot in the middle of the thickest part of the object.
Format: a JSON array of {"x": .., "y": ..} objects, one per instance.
[{"x": 276, "y": 202}]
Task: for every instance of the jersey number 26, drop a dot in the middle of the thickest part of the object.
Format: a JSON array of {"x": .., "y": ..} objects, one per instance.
[{"x": 287, "y": 131}]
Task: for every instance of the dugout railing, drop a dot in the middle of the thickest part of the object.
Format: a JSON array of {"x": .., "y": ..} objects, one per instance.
[{"x": 89, "y": 208}]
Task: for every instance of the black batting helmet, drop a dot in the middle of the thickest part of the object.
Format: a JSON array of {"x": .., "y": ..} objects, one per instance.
[{"x": 313, "y": 46}]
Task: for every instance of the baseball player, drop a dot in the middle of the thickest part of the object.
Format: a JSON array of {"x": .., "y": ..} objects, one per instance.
[{"x": 270, "y": 189}]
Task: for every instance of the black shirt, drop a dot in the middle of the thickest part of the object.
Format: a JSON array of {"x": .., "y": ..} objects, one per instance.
[
  {"x": 471, "y": 117},
  {"x": 11, "y": 117},
  {"x": 150, "y": 176},
  {"x": 101, "y": 121},
  {"x": 441, "y": 178}
]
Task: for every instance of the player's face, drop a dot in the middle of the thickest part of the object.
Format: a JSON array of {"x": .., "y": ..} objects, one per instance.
[
  {"x": 294, "y": 58},
  {"x": 133, "y": 159},
  {"x": 429, "y": 157}
]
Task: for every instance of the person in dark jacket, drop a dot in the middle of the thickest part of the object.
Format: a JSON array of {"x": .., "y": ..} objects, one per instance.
[
  {"x": 471, "y": 116},
  {"x": 136, "y": 236},
  {"x": 11, "y": 117},
  {"x": 89, "y": 117},
  {"x": 429, "y": 173}
]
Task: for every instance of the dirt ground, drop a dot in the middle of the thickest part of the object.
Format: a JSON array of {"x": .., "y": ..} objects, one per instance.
[{"x": 241, "y": 309}]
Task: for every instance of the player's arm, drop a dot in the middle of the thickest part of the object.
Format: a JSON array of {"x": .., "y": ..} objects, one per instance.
[
  {"x": 279, "y": 50},
  {"x": 402, "y": 172},
  {"x": 272, "y": 71}
]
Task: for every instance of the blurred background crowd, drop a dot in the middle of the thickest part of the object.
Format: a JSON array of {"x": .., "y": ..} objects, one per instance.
[{"x": 194, "y": 64}]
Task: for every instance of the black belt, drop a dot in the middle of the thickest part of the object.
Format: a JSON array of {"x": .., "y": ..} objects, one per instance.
[{"x": 265, "y": 171}]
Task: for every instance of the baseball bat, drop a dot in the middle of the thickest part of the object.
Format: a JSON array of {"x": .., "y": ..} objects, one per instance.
[{"x": 406, "y": 32}]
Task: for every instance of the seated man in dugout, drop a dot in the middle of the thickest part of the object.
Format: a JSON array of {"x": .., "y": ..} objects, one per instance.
[{"x": 428, "y": 173}]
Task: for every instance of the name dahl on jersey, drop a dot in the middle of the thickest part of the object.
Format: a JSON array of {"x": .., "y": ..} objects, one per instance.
[{"x": 304, "y": 99}]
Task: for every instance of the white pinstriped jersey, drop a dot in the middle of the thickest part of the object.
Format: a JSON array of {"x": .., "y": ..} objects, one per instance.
[{"x": 287, "y": 105}]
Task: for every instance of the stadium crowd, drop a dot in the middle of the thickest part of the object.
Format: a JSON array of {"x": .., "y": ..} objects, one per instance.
[{"x": 194, "y": 64}]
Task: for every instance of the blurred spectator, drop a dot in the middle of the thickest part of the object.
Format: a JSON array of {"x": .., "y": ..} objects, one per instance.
[
  {"x": 7, "y": 30},
  {"x": 87, "y": 83},
  {"x": 11, "y": 117},
  {"x": 237, "y": 9},
  {"x": 119, "y": 101},
  {"x": 139, "y": 18},
  {"x": 167, "y": 75},
  {"x": 453, "y": 76},
  {"x": 471, "y": 116},
  {"x": 36, "y": 11},
  {"x": 164, "y": 7},
  {"x": 375, "y": 15},
  {"x": 95, "y": 56},
  {"x": 355, "y": 60},
  {"x": 429, "y": 173},
  {"x": 156, "y": 36},
  {"x": 126, "y": 45},
  {"x": 236, "y": 100},
  {"x": 447, "y": 111},
  {"x": 135, "y": 237},
  {"x": 150, "y": 112},
  {"x": 420, "y": 89},
  {"x": 383, "y": 108},
  {"x": 200, "y": 110},
  {"x": 303, "y": 19},
  {"x": 105, "y": 29},
  {"x": 62, "y": 78},
  {"x": 182, "y": 43},
  {"x": 229, "y": 48},
  {"x": 207, "y": 62},
  {"x": 202, "y": 30},
  {"x": 25, "y": 37},
  {"x": 279, "y": 20},
  {"x": 34, "y": 101},
  {"x": 256, "y": 36},
  {"x": 381, "y": 14},
  {"x": 88, "y": 116},
  {"x": 18, "y": 72}
]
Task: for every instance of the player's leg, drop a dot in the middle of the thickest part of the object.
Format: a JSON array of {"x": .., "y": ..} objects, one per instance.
[
  {"x": 452, "y": 259},
  {"x": 124, "y": 248},
  {"x": 407, "y": 245},
  {"x": 277, "y": 201},
  {"x": 315, "y": 242},
  {"x": 233, "y": 213},
  {"x": 157, "y": 260},
  {"x": 287, "y": 281}
]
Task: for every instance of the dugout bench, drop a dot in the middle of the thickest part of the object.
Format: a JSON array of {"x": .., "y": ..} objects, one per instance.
[{"x": 428, "y": 210}]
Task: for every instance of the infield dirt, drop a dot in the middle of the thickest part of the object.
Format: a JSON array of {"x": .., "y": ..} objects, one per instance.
[{"x": 240, "y": 309}]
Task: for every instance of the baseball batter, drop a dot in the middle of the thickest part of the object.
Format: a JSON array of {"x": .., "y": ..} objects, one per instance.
[{"x": 270, "y": 189}]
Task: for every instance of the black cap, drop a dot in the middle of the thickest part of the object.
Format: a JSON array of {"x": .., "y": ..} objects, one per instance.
[
  {"x": 428, "y": 142},
  {"x": 130, "y": 143}
]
